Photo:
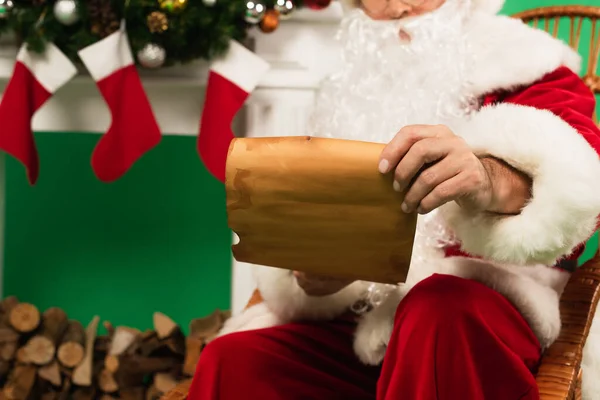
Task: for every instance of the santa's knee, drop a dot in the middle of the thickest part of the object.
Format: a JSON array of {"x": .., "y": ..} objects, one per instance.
[
  {"x": 228, "y": 351},
  {"x": 442, "y": 298}
]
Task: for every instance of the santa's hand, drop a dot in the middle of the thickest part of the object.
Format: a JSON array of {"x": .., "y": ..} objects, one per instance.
[
  {"x": 435, "y": 166},
  {"x": 319, "y": 285}
]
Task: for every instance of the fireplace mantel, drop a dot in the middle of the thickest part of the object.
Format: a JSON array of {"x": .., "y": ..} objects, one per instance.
[{"x": 296, "y": 51}]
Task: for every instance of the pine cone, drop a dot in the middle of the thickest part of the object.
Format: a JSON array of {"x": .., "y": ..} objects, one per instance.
[
  {"x": 103, "y": 18},
  {"x": 157, "y": 22}
]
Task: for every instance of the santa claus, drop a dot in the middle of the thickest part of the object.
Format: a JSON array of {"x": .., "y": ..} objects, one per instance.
[{"x": 489, "y": 129}]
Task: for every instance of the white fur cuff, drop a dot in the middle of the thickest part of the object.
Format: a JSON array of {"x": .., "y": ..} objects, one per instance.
[
  {"x": 565, "y": 204},
  {"x": 288, "y": 301}
]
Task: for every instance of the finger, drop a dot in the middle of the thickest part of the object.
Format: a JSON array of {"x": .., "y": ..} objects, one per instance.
[
  {"x": 447, "y": 191},
  {"x": 393, "y": 152},
  {"x": 423, "y": 152},
  {"x": 428, "y": 180}
]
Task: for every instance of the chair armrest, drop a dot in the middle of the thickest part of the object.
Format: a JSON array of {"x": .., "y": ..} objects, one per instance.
[{"x": 560, "y": 367}]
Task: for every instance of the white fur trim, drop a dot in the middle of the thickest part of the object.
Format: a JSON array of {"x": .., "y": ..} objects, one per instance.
[
  {"x": 241, "y": 66},
  {"x": 374, "y": 330},
  {"x": 52, "y": 69},
  {"x": 107, "y": 56},
  {"x": 488, "y": 6},
  {"x": 509, "y": 53},
  {"x": 564, "y": 207},
  {"x": 258, "y": 316},
  {"x": 288, "y": 301}
]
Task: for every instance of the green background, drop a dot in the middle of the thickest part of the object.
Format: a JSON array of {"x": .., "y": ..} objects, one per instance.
[{"x": 156, "y": 240}]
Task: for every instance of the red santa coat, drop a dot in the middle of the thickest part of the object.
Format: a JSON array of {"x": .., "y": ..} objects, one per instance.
[{"x": 535, "y": 114}]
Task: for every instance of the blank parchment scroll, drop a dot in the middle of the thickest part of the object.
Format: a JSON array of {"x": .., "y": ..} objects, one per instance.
[{"x": 317, "y": 205}]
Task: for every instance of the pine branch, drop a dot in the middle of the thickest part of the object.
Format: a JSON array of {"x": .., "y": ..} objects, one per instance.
[{"x": 198, "y": 32}]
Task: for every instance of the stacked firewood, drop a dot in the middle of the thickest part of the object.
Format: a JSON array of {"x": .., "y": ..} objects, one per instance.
[{"x": 49, "y": 357}]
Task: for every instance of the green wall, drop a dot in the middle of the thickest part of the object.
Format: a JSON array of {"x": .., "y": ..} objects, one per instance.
[{"x": 155, "y": 240}]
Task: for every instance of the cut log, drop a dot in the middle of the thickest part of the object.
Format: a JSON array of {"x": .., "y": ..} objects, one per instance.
[
  {"x": 51, "y": 373},
  {"x": 7, "y": 333},
  {"x": 207, "y": 326},
  {"x": 193, "y": 348},
  {"x": 176, "y": 343},
  {"x": 24, "y": 317},
  {"x": 102, "y": 344},
  {"x": 122, "y": 339},
  {"x": 22, "y": 357},
  {"x": 284, "y": 223},
  {"x": 153, "y": 394},
  {"x": 83, "y": 394},
  {"x": 41, "y": 348},
  {"x": 72, "y": 348},
  {"x": 163, "y": 325},
  {"x": 111, "y": 363},
  {"x": 110, "y": 329},
  {"x": 65, "y": 391},
  {"x": 7, "y": 304},
  {"x": 49, "y": 395},
  {"x": 164, "y": 382},
  {"x": 225, "y": 315},
  {"x": 135, "y": 393},
  {"x": 82, "y": 374},
  {"x": 20, "y": 382},
  {"x": 143, "y": 340},
  {"x": 138, "y": 365},
  {"x": 8, "y": 350},
  {"x": 107, "y": 382},
  {"x": 5, "y": 367}
]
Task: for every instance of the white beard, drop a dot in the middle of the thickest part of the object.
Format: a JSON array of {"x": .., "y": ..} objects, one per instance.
[{"x": 385, "y": 84}]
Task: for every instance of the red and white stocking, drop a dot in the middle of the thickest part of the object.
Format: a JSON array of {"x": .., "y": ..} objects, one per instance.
[
  {"x": 134, "y": 130},
  {"x": 36, "y": 77},
  {"x": 230, "y": 81}
]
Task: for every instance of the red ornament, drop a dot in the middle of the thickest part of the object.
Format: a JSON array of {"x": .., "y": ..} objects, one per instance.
[{"x": 316, "y": 4}]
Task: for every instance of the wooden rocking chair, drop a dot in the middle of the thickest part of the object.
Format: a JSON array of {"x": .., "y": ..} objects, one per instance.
[{"x": 559, "y": 376}]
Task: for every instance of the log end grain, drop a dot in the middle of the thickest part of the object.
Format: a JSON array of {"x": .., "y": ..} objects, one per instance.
[
  {"x": 24, "y": 317},
  {"x": 40, "y": 350},
  {"x": 71, "y": 354}
]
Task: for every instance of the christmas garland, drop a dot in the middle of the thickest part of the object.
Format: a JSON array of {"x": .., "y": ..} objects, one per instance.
[{"x": 161, "y": 32}]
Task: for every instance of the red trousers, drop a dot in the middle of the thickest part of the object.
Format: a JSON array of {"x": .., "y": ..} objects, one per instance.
[{"x": 453, "y": 339}]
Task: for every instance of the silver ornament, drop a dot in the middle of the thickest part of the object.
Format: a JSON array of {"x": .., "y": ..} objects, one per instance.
[
  {"x": 152, "y": 55},
  {"x": 285, "y": 8},
  {"x": 209, "y": 3},
  {"x": 6, "y": 7},
  {"x": 66, "y": 12},
  {"x": 255, "y": 10}
]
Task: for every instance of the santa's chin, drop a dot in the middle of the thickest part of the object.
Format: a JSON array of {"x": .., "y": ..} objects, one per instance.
[{"x": 385, "y": 83}]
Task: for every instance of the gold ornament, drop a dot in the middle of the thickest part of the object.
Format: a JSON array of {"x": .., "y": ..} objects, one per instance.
[
  {"x": 157, "y": 22},
  {"x": 270, "y": 21},
  {"x": 173, "y": 6}
]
